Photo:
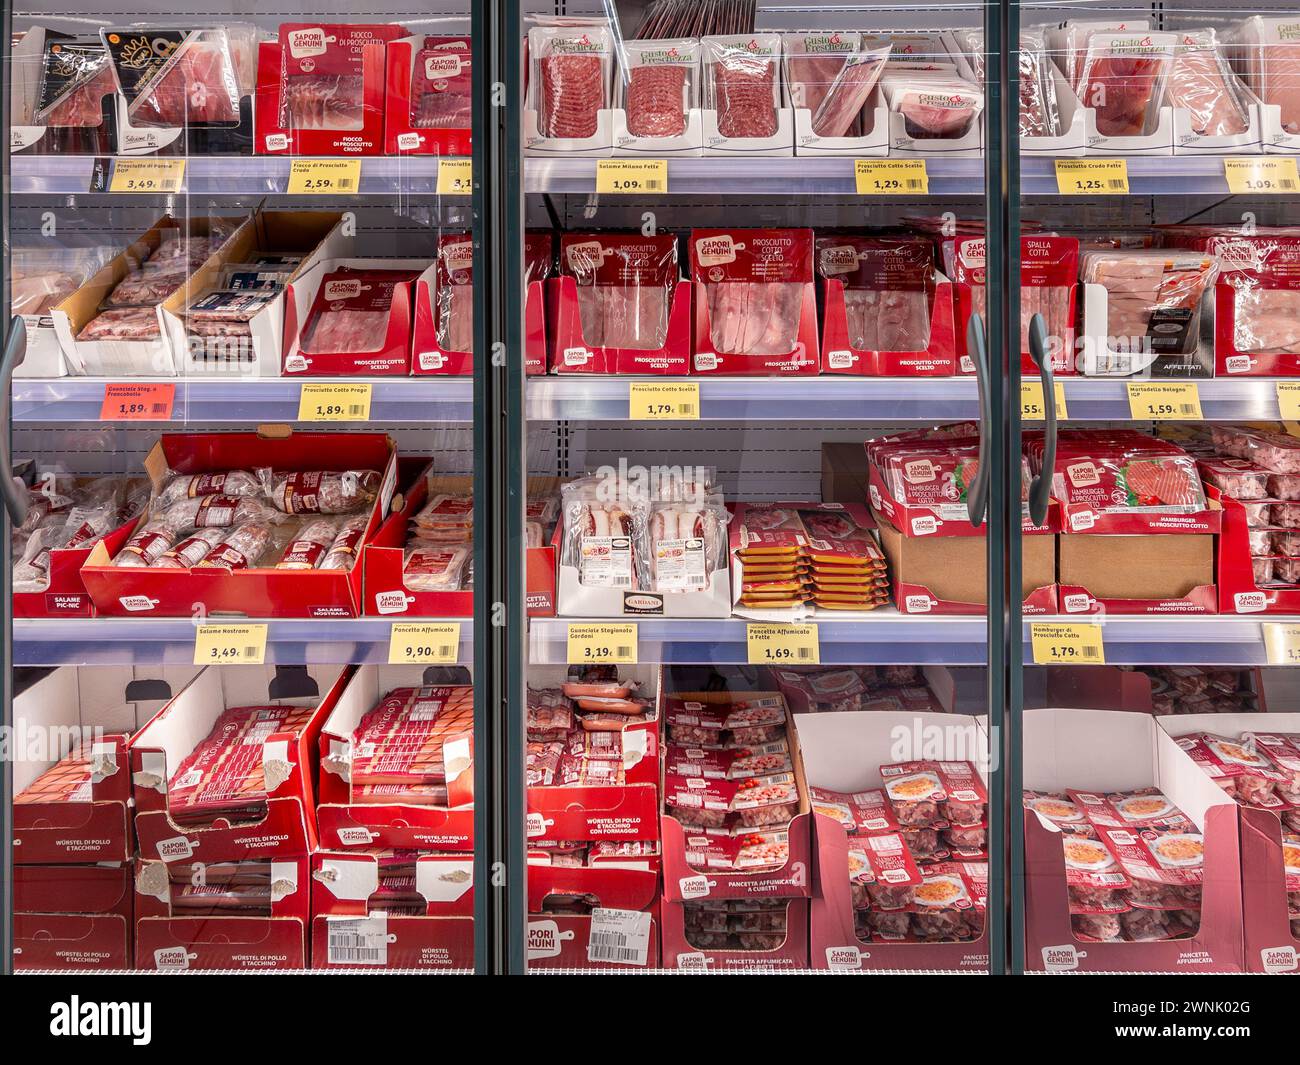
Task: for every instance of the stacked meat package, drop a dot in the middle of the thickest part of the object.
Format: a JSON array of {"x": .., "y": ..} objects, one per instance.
[
  {"x": 592, "y": 776},
  {"x": 736, "y": 831},
  {"x": 428, "y": 101},
  {"x": 393, "y": 884},
  {"x": 795, "y": 559},
  {"x": 838, "y": 689}
]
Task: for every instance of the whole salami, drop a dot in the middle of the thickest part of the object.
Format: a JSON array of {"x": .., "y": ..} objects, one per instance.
[
  {"x": 310, "y": 545},
  {"x": 215, "y": 512},
  {"x": 190, "y": 551},
  {"x": 146, "y": 545},
  {"x": 343, "y": 551},
  {"x": 239, "y": 484},
  {"x": 319, "y": 491},
  {"x": 242, "y": 548}
]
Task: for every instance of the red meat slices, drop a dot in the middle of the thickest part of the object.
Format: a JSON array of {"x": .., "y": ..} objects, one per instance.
[
  {"x": 654, "y": 101},
  {"x": 84, "y": 106},
  {"x": 1169, "y": 484},
  {"x": 346, "y": 331},
  {"x": 1120, "y": 88},
  {"x": 572, "y": 94},
  {"x": 758, "y": 318},
  {"x": 743, "y": 95},
  {"x": 196, "y": 89}
]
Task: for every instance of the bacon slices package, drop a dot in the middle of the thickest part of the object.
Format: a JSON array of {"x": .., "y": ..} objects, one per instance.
[{"x": 754, "y": 301}]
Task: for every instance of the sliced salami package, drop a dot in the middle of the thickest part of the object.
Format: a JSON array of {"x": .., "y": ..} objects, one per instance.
[
  {"x": 570, "y": 83},
  {"x": 742, "y": 85},
  {"x": 659, "y": 88}
]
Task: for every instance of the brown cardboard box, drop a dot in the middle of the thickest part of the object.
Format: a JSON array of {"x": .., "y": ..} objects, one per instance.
[
  {"x": 844, "y": 473},
  {"x": 955, "y": 568},
  {"x": 1137, "y": 567}
]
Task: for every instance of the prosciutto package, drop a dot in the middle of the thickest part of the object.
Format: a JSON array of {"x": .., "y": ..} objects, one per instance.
[
  {"x": 754, "y": 282},
  {"x": 1269, "y": 49},
  {"x": 936, "y": 104},
  {"x": 1040, "y": 114},
  {"x": 1153, "y": 296},
  {"x": 455, "y": 299},
  {"x": 351, "y": 312},
  {"x": 742, "y": 83},
  {"x": 440, "y": 84},
  {"x": 660, "y": 85},
  {"x": 1204, "y": 84},
  {"x": 1123, "y": 80},
  {"x": 625, "y": 286},
  {"x": 319, "y": 491},
  {"x": 322, "y": 84},
  {"x": 827, "y": 74},
  {"x": 571, "y": 75},
  {"x": 888, "y": 289},
  {"x": 76, "y": 75}
]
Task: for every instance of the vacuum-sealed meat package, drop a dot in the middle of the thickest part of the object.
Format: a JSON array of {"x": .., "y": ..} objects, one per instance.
[
  {"x": 347, "y": 543},
  {"x": 1123, "y": 79},
  {"x": 427, "y": 569},
  {"x": 123, "y": 323},
  {"x": 686, "y": 544},
  {"x": 1040, "y": 114},
  {"x": 604, "y": 540},
  {"x": 319, "y": 491},
  {"x": 1241, "y": 767},
  {"x": 660, "y": 85},
  {"x": 351, "y": 312},
  {"x": 888, "y": 289},
  {"x": 625, "y": 286},
  {"x": 742, "y": 83},
  {"x": 322, "y": 80},
  {"x": 571, "y": 75},
  {"x": 1204, "y": 85},
  {"x": 935, "y": 103},
  {"x": 454, "y": 303},
  {"x": 76, "y": 76},
  {"x": 833, "y": 78},
  {"x": 1269, "y": 49},
  {"x": 441, "y": 84}
]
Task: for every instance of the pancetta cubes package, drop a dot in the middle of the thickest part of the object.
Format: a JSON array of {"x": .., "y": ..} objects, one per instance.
[
  {"x": 619, "y": 306},
  {"x": 657, "y": 99},
  {"x": 755, "y": 304},
  {"x": 735, "y": 935},
  {"x": 351, "y": 317},
  {"x": 427, "y": 101},
  {"x": 320, "y": 89},
  {"x": 744, "y": 114},
  {"x": 396, "y": 758},
  {"x": 443, "y": 337},
  {"x": 886, "y": 310},
  {"x": 570, "y": 90}
]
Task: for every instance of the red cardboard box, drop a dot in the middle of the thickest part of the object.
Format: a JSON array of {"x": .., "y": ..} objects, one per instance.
[
  {"x": 420, "y": 68},
  {"x": 938, "y": 359},
  {"x": 565, "y": 941},
  {"x": 1238, "y": 592},
  {"x": 343, "y": 882},
  {"x": 287, "y": 830},
  {"x": 255, "y": 944},
  {"x": 392, "y": 941},
  {"x": 345, "y": 825},
  {"x": 128, "y": 591},
  {"x": 72, "y": 917},
  {"x": 572, "y": 353},
  {"x": 159, "y": 886}
]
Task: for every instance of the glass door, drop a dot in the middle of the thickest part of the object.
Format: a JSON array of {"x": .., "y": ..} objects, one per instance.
[
  {"x": 242, "y": 521},
  {"x": 758, "y": 509},
  {"x": 1154, "y": 742}
]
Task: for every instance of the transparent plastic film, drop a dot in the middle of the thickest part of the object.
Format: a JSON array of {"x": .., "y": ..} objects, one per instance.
[
  {"x": 625, "y": 286},
  {"x": 1203, "y": 83},
  {"x": 661, "y": 85},
  {"x": 742, "y": 84}
]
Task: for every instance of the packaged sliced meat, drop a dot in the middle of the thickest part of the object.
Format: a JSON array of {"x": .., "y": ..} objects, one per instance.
[
  {"x": 660, "y": 85},
  {"x": 41, "y": 278},
  {"x": 625, "y": 286},
  {"x": 123, "y": 323},
  {"x": 441, "y": 83},
  {"x": 322, "y": 81},
  {"x": 888, "y": 289},
  {"x": 319, "y": 491},
  {"x": 1123, "y": 80},
  {"x": 1202, "y": 83},
  {"x": 76, "y": 75},
  {"x": 601, "y": 539},
  {"x": 687, "y": 543},
  {"x": 454, "y": 301},
  {"x": 1039, "y": 109},
  {"x": 1270, "y": 53},
  {"x": 1241, "y": 767},
  {"x": 351, "y": 311},
  {"x": 445, "y": 519},
  {"x": 742, "y": 83},
  {"x": 936, "y": 104},
  {"x": 571, "y": 74},
  {"x": 435, "y": 570},
  {"x": 812, "y": 63}
]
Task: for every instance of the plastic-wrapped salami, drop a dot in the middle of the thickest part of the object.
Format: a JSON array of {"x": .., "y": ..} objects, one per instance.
[
  {"x": 242, "y": 548},
  {"x": 570, "y": 77},
  {"x": 347, "y": 542},
  {"x": 741, "y": 83},
  {"x": 239, "y": 484},
  {"x": 190, "y": 551},
  {"x": 214, "y": 511},
  {"x": 319, "y": 491},
  {"x": 309, "y": 545},
  {"x": 147, "y": 544},
  {"x": 661, "y": 85}
]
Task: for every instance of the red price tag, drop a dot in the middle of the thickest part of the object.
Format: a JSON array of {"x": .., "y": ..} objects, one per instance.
[{"x": 137, "y": 403}]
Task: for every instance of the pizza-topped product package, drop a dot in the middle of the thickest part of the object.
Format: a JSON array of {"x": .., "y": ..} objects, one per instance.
[{"x": 1241, "y": 767}]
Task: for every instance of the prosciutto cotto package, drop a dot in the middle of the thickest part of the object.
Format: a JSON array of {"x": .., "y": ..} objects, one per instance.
[
  {"x": 571, "y": 76},
  {"x": 660, "y": 86},
  {"x": 1123, "y": 80},
  {"x": 1257, "y": 305},
  {"x": 454, "y": 305},
  {"x": 352, "y": 314},
  {"x": 1269, "y": 50},
  {"x": 742, "y": 84},
  {"x": 754, "y": 300},
  {"x": 888, "y": 289},
  {"x": 1040, "y": 114},
  {"x": 936, "y": 104},
  {"x": 322, "y": 82},
  {"x": 828, "y": 75},
  {"x": 1203, "y": 84}
]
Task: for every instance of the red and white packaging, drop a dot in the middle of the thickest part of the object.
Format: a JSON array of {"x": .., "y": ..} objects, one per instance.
[
  {"x": 221, "y": 890},
  {"x": 281, "y": 821},
  {"x": 351, "y": 316},
  {"x": 886, "y": 310},
  {"x": 72, "y": 917},
  {"x": 72, "y": 807},
  {"x": 841, "y": 753},
  {"x": 744, "y": 114},
  {"x": 569, "y": 97},
  {"x": 320, "y": 89},
  {"x": 619, "y": 306},
  {"x": 755, "y": 301},
  {"x": 427, "y": 100},
  {"x": 775, "y": 936},
  {"x": 539, "y": 255},
  {"x": 354, "y": 818},
  {"x": 1256, "y": 301},
  {"x": 126, "y": 591},
  {"x": 1116, "y": 752},
  {"x": 621, "y": 933},
  {"x": 253, "y": 944},
  {"x": 1244, "y": 769},
  {"x": 443, "y": 340}
]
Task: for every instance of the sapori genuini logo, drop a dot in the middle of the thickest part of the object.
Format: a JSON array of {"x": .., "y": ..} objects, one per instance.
[{"x": 120, "y": 1020}]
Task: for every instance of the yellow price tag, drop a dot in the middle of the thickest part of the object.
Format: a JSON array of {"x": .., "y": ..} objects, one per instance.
[
  {"x": 649, "y": 402},
  {"x": 1261, "y": 176},
  {"x": 1092, "y": 177},
  {"x": 1176, "y": 401},
  {"x": 627, "y": 176},
  {"x": 147, "y": 175},
  {"x": 319, "y": 402},
  {"x": 777, "y": 645},
  {"x": 610, "y": 643},
  {"x": 1076, "y": 643},
  {"x": 323, "y": 177},
  {"x": 1032, "y": 407},
  {"x": 1281, "y": 644},
  {"x": 455, "y": 177},
  {"x": 424, "y": 643},
  {"x": 1288, "y": 400},
  {"x": 891, "y": 177},
  {"x": 241, "y": 645}
]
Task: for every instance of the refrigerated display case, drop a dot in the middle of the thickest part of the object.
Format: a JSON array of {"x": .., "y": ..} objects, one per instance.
[{"x": 652, "y": 486}]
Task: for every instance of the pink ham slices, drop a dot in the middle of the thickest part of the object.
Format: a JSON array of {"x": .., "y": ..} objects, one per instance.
[
  {"x": 1204, "y": 84},
  {"x": 1123, "y": 80}
]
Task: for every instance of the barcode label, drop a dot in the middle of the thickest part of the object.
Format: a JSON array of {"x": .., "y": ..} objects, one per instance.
[
  {"x": 251, "y": 650},
  {"x": 654, "y": 185},
  {"x": 346, "y": 184},
  {"x": 358, "y": 410},
  {"x": 804, "y": 654},
  {"x": 358, "y": 941},
  {"x": 1118, "y": 184},
  {"x": 620, "y": 937},
  {"x": 1090, "y": 652},
  {"x": 687, "y": 409}
]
